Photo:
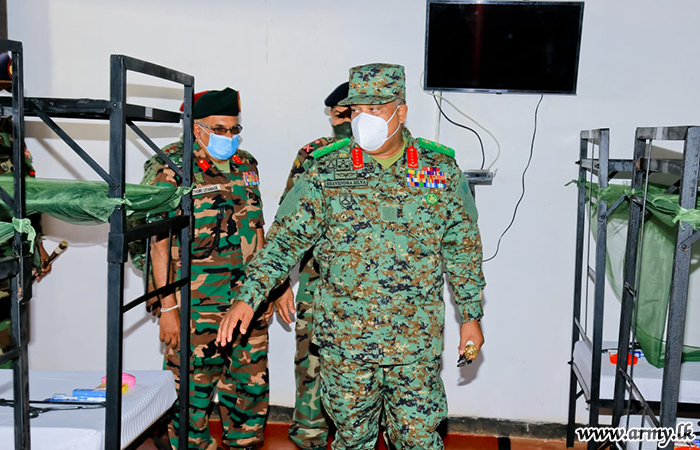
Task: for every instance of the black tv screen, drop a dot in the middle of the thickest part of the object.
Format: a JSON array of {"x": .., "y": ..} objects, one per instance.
[{"x": 503, "y": 46}]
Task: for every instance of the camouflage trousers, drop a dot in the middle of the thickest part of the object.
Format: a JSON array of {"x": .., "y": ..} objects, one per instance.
[
  {"x": 309, "y": 427},
  {"x": 240, "y": 375},
  {"x": 411, "y": 396}
]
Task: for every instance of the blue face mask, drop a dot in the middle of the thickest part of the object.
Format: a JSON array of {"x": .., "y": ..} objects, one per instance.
[{"x": 222, "y": 147}]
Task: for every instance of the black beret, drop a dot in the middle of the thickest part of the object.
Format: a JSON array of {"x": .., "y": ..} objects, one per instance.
[
  {"x": 226, "y": 102},
  {"x": 337, "y": 95}
]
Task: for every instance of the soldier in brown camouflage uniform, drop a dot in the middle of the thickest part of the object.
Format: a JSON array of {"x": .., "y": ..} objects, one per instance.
[
  {"x": 228, "y": 230},
  {"x": 388, "y": 214},
  {"x": 309, "y": 428}
]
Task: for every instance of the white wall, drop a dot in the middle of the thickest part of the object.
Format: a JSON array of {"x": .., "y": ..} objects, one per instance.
[{"x": 639, "y": 62}]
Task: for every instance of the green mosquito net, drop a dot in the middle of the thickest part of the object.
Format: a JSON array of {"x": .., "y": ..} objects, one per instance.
[
  {"x": 84, "y": 202},
  {"x": 656, "y": 265}
]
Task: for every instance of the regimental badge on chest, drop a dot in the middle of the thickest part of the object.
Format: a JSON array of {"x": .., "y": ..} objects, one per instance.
[
  {"x": 251, "y": 178},
  {"x": 199, "y": 177},
  {"x": 431, "y": 177},
  {"x": 345, "y": 200}
]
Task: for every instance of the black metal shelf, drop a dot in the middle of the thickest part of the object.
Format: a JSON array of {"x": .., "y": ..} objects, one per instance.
[
  {"x": 120, "y": 114},
  {"x": 85, "y": 108}
]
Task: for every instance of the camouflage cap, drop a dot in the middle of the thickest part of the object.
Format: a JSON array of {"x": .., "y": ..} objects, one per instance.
[{"x": 375, "y": 84}]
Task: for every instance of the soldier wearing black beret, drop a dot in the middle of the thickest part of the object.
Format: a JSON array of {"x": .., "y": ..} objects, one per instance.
[{"x": 228, "y": 221}]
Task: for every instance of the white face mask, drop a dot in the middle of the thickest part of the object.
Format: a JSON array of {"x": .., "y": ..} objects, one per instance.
[{"x": 370, "y": 132}]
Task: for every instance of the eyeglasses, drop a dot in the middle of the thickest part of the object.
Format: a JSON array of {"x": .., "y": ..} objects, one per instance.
[{"x": 234, "y": 130}]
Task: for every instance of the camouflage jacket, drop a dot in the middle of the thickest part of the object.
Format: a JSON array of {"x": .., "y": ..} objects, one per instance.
[
  {"x": 308, "y": 263},
  {"x": 227, "y": 214},
  {"x": 381, "y": 238}
]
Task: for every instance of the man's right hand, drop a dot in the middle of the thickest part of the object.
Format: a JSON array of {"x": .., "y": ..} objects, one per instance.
[
  {"x": 170, "y": 328},
  {"x": 239, "y": 312}
]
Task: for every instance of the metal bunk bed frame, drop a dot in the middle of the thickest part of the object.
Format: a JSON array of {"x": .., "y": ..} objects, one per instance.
[
  {"x": 19, "y": 266},
  {"x": 687, "y": 170},
  {"x": 120, "y": 114},
  {"x": 641, "y": 167}
]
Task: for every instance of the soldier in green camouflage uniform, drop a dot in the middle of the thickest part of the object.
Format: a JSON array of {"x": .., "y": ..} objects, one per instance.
[
  {"x": 228, "y": 230},
  {"x": 309, "y": 429},
  {"x": 386, "y": 212},
  {"x": 40, "y": 255}
]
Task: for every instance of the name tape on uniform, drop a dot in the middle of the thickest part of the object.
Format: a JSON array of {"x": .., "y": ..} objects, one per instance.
[
  {"x": 206, "y": 189},
  {"x": 345, "y": 183}
]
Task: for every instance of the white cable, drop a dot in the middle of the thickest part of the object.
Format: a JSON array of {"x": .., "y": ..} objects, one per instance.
[
  {"x": 440, "y": 98},
  {"x": 498, "y": 144}
]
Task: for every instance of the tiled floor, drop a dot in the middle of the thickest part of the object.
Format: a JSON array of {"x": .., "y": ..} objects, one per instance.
[{"x": 276, "y": 439}]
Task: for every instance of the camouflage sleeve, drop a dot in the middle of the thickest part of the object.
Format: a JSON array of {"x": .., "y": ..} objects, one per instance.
[
  {"x": 165, "y": 177},
  {"x": 254, "y": 205},
  {"x": 296, "y": 228},
  {"x": 461, "y": 250},
  {"x": 296, "y": 171}
]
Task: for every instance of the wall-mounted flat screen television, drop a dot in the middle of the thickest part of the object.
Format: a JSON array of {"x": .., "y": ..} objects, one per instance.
[{"x": 502, "y": 46}]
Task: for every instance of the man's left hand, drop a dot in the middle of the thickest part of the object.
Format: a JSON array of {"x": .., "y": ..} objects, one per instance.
[
  {"x": 41, "y": 273},
  {"x": 470, "y": 331}
]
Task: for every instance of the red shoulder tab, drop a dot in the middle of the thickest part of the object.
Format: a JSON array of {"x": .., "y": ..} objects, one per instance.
[
  {"x": 357, "y": 162},
  {"x": 237, "y": 159},
  {"x": 412, "y": 157},
  {"x": 203, "y": 164}
]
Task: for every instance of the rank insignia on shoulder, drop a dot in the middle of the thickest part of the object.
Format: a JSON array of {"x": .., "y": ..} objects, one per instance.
[
  {"x": 330, "y": 148},
  {"x": 203, "y": 164},
  {"x": 237, "y": 159},
  {"x": 251, "y": 178},
  {"x": 434, "y": 146},
  {"x": 426, "y": 177}
]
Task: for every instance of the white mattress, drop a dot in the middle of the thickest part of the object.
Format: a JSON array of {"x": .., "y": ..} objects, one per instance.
[
  {"x": 646, "y": 377},
  {"x": 153, "y": 394}
]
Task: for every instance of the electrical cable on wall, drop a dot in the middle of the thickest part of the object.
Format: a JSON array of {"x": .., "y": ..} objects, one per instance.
[
  {"x": 441, "y": 98},
  {"x": 522, "y": 195},
  {"x": 481, "y": 143},
  {"x": 486, "y": 130}
]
